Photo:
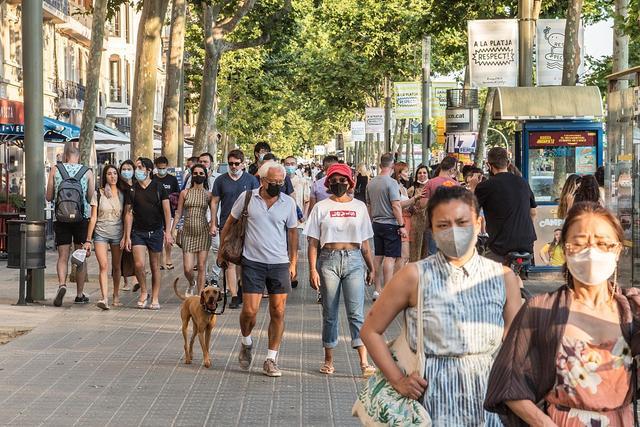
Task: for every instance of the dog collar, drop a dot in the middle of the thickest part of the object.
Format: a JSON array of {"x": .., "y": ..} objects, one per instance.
[{"x": 206, "y": 310}]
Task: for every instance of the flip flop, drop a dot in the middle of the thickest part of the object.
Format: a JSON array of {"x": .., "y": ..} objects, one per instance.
[
  {"x": 142, "y": 304},
  {"x": 155, "y": 306},
  {"x": 327, "y": 368},
  {"x": 169, "y": 266}
]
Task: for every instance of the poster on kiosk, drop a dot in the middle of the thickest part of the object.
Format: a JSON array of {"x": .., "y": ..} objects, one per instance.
[{"x": 551, "y": 157}]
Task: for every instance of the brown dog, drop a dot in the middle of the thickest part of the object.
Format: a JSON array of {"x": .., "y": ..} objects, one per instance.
[{"x": 202, "y": 312}]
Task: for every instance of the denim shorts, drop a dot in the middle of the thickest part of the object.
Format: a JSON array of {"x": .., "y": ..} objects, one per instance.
[
  {"x": 153, "y": 240},
  {"x": 99, "y": 239},
  {"x": 386, "y": 240}
]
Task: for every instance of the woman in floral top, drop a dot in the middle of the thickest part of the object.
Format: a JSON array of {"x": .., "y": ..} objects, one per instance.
[{"x": 572, "y": 349}]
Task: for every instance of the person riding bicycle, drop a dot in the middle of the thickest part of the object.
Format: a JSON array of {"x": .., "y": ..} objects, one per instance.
[{"x": 509, "y": 207}]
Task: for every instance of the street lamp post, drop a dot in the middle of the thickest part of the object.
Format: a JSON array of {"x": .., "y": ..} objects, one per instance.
[
  {"x": 33, "y": 111},
  {"x": 426, "y": 113}
]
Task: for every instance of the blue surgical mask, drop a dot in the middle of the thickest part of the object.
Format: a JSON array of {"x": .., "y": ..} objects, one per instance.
[
  {"x": 127, "y": 174},
  {"x": 141, "y": 175},
  {"x": 261, "y": 156},
  {"x": 162, "y": 172},
  {"x": 290, "y": 169}
]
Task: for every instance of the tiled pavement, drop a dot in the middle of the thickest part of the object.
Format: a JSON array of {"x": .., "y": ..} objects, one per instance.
[{"x": 82, "y": 366}]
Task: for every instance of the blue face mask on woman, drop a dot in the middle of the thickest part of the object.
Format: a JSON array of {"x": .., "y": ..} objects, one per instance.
[
  {"x": 141, "y": 175},
  {"x": 127, "y": 174}
]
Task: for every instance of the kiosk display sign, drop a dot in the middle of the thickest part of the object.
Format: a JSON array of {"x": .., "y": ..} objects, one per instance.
[
  {"x": 493, "y": 52},
  {"x": 562, "y": 139}
]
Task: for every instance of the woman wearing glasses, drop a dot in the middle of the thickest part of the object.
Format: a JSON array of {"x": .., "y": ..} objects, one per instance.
[
  {"x": 571, "y": 350},
  {"x": 195, "y": 240},
  {"x": 340, "y": 226}
]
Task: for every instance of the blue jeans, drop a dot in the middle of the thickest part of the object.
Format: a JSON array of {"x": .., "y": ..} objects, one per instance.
[{"x": 341, "y": 270}]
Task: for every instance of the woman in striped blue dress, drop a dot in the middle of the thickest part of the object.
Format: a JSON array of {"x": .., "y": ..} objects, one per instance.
[{"x": 468, "y": 305}]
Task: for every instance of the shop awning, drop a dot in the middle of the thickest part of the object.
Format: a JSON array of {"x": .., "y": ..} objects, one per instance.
[{"x": 547, "y": 103}]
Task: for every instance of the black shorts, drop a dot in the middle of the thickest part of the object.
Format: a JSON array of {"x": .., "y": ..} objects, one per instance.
[
  {"x": 70, "y": 232},
  {"x": 257, "y": 276},
  {"x": 387, "y": 240},
  {"x": 153, "y": 240}
]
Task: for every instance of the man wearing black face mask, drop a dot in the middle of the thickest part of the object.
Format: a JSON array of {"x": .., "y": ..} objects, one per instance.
[
  {"x": 269, "y": 259},
  {"x": 509, "y": 207}
]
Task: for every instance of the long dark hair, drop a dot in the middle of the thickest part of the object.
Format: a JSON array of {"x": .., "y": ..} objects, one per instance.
[
  {"x": 103, "y": 177},
  {"x": 206, "y": 175},
  {"x": 589, "y": 191},
  {"x": 554, "y": 243}
]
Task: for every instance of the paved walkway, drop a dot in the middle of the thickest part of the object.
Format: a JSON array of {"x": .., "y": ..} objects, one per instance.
[{"x": 83, "y": 366}]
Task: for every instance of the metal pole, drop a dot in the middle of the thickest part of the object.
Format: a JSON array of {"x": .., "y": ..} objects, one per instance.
[
  {"x": 22, "y": 293},
  {"x": 33, "y": 111},
  {"x": 526, "y": 28},
  {"x": 387, "y": 115},
  {"x": 426, "y": 112}
]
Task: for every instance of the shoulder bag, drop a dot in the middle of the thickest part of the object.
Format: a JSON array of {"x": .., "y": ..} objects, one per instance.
[
  {"x": 232, "y": 245},
  {"x": 379, "y": 404}
]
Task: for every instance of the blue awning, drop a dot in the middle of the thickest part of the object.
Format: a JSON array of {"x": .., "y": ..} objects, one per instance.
[{"x": 52, "y": 130}]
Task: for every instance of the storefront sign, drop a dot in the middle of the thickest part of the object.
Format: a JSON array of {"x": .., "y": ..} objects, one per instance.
[
  {"x": 549, "y": 51},
  {"x": 374, "y": 120},
  {"x": 408, "y": 100},
  {"x": 463, "y": 143},
  {"x": 493, "y": 52},
  {"x": 11, "y": 112},
  {"x": 562, "y": 139},
  {"x": 358, "y": 132},
  {"x": 462, "y": 119}
]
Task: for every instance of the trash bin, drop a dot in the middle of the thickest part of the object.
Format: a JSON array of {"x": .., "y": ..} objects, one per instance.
[
  {"x": 4, "y": 217},
  {"x": 35, "y": 244}
]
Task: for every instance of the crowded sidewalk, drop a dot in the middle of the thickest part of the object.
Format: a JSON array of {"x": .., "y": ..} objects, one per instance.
[{"x": 84, "y": 366}]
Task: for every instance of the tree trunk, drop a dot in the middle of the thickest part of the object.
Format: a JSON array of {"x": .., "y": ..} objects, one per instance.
[
  {"x": 145, "y": 77},
  {"x": 394, "y": 140},
  {"x": 90, "y": 109},
  {"x": 206, "y": 127},
  {"x": 571, "y": 49},
  {"x": 401, "y": 139},
  {"x": 620, "y": 42},
  {"x": 484, "y": 126},
  {"x": 409, "y": 149},
  {"x": 172, "y": 92}
]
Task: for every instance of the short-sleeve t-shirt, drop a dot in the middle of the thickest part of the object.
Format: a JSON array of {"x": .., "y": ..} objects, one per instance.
[
  {"x": 440, "y": 181},
  {"x": 381, "y": 191},
  {"x": 229, "y": 189},
  {"x": 148, "y": 214},
  {"x": 72, "y": 170},
  {"x": 109, "y": 223},
  {"x": 266, "y": 235},
  {"x": 319, "y": 190},
  {"x": 335, "y": 222},
  {"x": 170, "y": 184},
  {"x": 507, "y": 201}
]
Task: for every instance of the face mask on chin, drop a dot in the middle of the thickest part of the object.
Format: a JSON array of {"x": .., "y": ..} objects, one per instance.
[
  {"x": 592, "y": 267},
  {"x": 237, "y": 172},
  {"x": 455, "y": 242}
]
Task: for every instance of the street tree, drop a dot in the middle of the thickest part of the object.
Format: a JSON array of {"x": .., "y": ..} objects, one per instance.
[{"x": 145, "y": 76}]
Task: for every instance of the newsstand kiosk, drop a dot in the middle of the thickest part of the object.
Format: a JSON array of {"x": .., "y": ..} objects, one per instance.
[{"x": 559, "y": 134}]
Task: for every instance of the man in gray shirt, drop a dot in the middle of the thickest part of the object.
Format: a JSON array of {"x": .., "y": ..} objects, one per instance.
[
  {"x": 269, "y": 259},
  {"x": 383, "y": 198}
]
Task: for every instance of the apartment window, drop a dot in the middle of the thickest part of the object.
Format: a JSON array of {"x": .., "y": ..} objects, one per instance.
[
  {"x": 115, "y": 80},
  {"x": 116, "y": 24},
  {"x": 127, "y": 81},
  {"x": 81, "y": 67},
  {"x": 127, "y": 24}
]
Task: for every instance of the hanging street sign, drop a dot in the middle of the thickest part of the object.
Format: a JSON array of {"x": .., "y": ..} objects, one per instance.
[{"x": 493, "y": 52}]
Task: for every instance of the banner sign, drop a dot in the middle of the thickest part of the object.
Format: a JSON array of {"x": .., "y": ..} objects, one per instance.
[
  {"x": 439, "y": 98},
  {"x": 358, "y": 132},
  {"x": 562, "y": 139},
  {"x": 493, "y": 52},
  {"x": 408, "y": 100},
  {"x": 11, "y": 112},
  {"x": 462, "y": 119},
  {"x": 549, "y": 51},
  {"x": 374, "y": 119}
]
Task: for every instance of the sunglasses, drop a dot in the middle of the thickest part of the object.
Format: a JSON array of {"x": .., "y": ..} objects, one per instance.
[{"x": 235, "y": 163}]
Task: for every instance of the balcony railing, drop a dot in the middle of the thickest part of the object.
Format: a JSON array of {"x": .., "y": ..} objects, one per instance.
[
  {"x": 71, "y": 90},
  {"x": 115, "y": 94},
  {"x": 61, "y": 5}
]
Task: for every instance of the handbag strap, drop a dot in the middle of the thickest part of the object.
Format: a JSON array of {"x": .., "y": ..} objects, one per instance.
[{"x": 247, "y": 199}]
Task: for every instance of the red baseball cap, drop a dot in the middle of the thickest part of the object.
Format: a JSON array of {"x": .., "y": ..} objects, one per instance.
[{"x": 339, "y": 169}]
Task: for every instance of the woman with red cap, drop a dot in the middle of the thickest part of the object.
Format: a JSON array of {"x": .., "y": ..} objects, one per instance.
[{"x": 340, "y": 260}]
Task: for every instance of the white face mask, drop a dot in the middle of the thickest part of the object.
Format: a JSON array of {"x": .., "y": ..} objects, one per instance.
[
  {"x": 592, "y": 266},
  {"x": 455, "y": 242},
  {"x": 422, "y": 182}
]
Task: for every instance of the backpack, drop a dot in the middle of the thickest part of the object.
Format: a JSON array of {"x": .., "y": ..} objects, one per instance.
[{"x": 70, "y": 196}]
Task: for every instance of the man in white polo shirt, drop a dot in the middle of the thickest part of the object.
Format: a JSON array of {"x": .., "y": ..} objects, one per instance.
[{"x": 269, "y": 260}]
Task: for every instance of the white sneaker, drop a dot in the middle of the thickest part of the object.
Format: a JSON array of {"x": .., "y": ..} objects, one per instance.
[
  {"x": 191, "y": 291},
  {"x": 376, "y": 295}
]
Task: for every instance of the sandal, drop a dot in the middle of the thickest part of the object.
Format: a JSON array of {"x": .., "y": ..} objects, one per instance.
[
  {"x": 367, "y": 370},
  {"x": 116, "y": 302},
  {"x": 327, "y": 368},
  {"x": 142, "y": 304},
  {"x": 102, "y": 304},
  {"x": 169, "y": 266},
  {"x": 154, "y": 306}
]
